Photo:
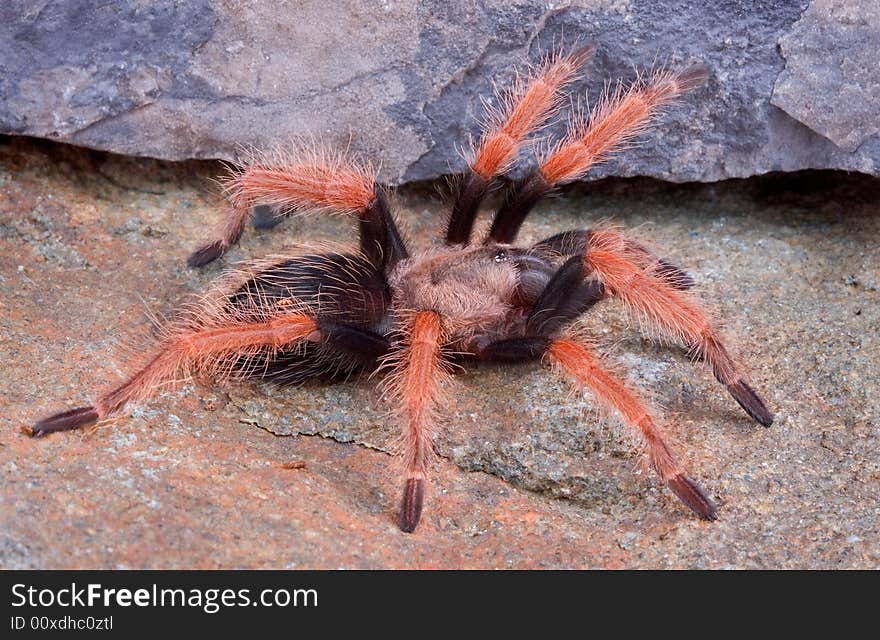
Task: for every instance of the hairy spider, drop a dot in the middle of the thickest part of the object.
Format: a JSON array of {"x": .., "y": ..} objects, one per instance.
[{"x": 407, "y": 317}]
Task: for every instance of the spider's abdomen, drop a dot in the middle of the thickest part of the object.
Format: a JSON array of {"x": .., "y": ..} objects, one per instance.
[
  {"x": 333, "y": 287},
  {"x": 343, "y": 287}
]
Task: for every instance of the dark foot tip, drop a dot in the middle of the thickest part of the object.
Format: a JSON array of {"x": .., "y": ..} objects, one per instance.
[
  {"x": 411, "y": 510},
  {"x": 675, "y": 277},
  {"x": 65, "y": 421},
  {"x": 751, "y": 403},
  {"x": 765, "y": 421},
  {"x": 693, "y": 497},
  {"x": 266, "y": 216},
  {"x": 408, "y": 527},
  {"x": 206, "y": 254}
]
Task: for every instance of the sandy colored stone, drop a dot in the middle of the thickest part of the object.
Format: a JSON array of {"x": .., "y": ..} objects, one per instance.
[{"x": 91, "y": 244}]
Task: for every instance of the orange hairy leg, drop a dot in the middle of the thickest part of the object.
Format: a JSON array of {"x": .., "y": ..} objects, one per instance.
[
  {"x": 577, "y": 361},
  {"x": 525, "y": 109},
  {"x": 417, "y": 386},
  {"x": 574, "y": 242},
  {"x": 669, "y": 311},
  {"x": 201, "y": 349},
  {"x": 316, "y": 183},
  {"x": 619, "y": 117}
]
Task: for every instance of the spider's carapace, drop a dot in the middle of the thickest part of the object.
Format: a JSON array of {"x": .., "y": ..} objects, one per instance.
[{"x": 405, "y": 316}]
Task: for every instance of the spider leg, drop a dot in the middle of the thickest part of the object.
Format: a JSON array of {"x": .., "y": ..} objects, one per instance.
[
  {"x": 205, "y": 348},
  {"x": 567, "y": 295},
  {"x": 416, "y": 384},
  {"x": 314, "y": 184},
  {"x": 619, "y": 117},
  {"x": 526, "y": 108},
  {"x": 219, "y": 349},
  {"x": 579, "y": 283},
  {"x": 571, "y": 243},
  {"x": 656, "y": 291},
  {"x": 670, "y": 312},
  {"x": 362, "y": 346},
  {"x": 577, "y": 360}
]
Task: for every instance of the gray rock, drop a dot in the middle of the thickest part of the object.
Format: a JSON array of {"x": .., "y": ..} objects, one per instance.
[
  {"x": 831, "y": 81},
  {"x": 402, "y": 82}
]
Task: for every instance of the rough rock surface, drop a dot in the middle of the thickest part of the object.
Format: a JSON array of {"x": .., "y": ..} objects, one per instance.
[
  {"x": 91, "y": 245},
  {"x": 402, "y": 82},
  {"x": 831, "y": 81}
]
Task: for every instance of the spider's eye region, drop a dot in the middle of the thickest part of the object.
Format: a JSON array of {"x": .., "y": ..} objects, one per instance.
[{"x": 500, "y": 256}]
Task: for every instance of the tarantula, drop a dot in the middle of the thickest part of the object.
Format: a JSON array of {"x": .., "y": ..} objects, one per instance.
[{"x": 407, "y": 317}]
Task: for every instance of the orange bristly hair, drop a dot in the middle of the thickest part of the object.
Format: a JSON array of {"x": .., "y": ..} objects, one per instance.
[
  {"x": 525, "y": 109},
  {"x": 333, "y": 187},
  {"x": 619, "y": 117},
  {"x": 416, "y": 384},
  {"x": 575, "y": 360},
  {"x": 312, "y": 181},
  {"x": 206, "y": 349},
  {"x": 658, "y": 307},
  {"x": 420, "y": 381}
]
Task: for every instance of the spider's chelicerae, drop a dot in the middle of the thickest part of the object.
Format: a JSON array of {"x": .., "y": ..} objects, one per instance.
[{"x": 406, "y": 316}]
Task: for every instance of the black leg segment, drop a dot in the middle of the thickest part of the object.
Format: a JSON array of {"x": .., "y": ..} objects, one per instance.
[
  {"x": 569, "y": 243},
  {"x": 513, "y": 212},
  {"x": 265, "y": 216},
  {"x": 210, "y": 252},
  {"x": 566, "y": 296},
  {"x": 464, "y": 211},
  {"x": 361, "y": 346},
  {"x": 65, "y": 421},
  {"x": 522, "y": 349},
  {"x": 381, "y": 243}
]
